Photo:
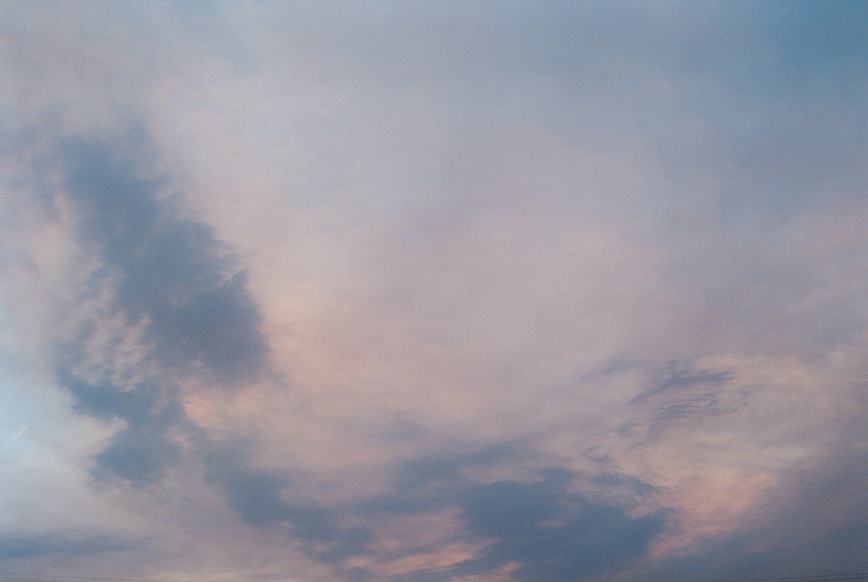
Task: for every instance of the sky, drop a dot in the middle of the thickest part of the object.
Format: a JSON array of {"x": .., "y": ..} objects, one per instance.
[{"x": 474, "y": 291}]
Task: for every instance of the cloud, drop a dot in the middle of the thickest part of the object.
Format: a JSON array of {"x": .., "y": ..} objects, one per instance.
[
  {"x": 680, "y": 379},
  {"x": 24, "y": 546},
  {"x": 554, "y": 534},
  {"x": 260, "y": 498},
  {"x": 454, "y": 291},
  {"x": 814, "y": 526},
  {"x": 683, "y": 394},
  {"x": 170, "y": 273},
  {"x": 171, "y": 291},
  {"x": 545, "y": 528}
]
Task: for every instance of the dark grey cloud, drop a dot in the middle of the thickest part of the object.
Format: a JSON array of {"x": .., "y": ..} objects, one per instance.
[
  {"x": 171, "y": 276},
  {"x": 173, "y": 273},
  {"x": 175, "y": 278},
  {"x": 26, "y": 546},
  {"x": 553, "y": 532},
  {"x": 150, "y": 410},
  {"x": 548, "y": 526},
  {"x": 259, "y": 498},
  {"x": 433, "y": 481},
  {"x": 171, "y": 283}
]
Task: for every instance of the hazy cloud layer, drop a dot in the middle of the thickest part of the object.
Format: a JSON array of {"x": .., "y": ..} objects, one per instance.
[{"x": 487, "y": 291}]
